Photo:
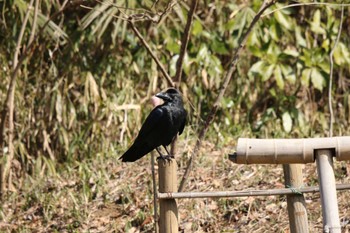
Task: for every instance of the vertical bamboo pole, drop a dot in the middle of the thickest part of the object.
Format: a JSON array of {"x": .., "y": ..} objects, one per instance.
[
  {"x": 297, "y": 213},
  {"x": 168, "y": 219},
  {"x": 324, "y": 161},
  {"x": 155, "y": 200}
]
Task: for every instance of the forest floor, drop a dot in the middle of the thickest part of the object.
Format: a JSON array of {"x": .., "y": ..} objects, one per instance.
[{"x": 104, "y": 195}]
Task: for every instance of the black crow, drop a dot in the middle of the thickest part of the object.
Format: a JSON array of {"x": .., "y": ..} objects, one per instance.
[{"x": 161, "y": 126}]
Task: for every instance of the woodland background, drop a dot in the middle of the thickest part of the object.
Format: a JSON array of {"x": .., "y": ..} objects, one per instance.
[{"x": 82, "y": 80}]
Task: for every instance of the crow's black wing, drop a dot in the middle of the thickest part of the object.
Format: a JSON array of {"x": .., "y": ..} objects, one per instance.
[
  {"x": 182, "y": 126},
  {"x": 151, "y": 122},
  {"x": 144, "y": 142}
]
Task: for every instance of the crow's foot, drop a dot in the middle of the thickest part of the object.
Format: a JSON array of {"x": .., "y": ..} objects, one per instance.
[{"x": 165, "y": 157}]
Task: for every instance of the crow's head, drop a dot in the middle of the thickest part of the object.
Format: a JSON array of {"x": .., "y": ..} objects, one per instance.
[{"x": 169, "y": 95}]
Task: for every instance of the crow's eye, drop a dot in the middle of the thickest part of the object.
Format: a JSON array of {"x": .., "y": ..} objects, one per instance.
[{"x": 172, "y": 91}]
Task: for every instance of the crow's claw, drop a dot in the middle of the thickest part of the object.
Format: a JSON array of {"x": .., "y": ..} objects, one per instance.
[{"x": 165, "y": 157}]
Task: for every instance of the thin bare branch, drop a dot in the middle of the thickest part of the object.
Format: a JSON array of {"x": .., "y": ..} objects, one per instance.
[
  {"x": 232, "y": 68},
  {"x": 149, "y": 50},
  {"x": 144, "y": 14},
  {"x": 306, "y": 4},
  {"x": 184, "y": 42},
  {"x": 331, "y": 120},
  {"x": 35, "y": 19},
  {"x": 179, "y": 63}
]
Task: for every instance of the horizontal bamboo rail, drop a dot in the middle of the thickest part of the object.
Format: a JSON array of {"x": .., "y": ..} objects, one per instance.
[
  {"x": 287, "y": 151},
  {"x": 246, "y": 193}
]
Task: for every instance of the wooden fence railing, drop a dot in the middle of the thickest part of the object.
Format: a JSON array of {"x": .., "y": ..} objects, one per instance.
[{"x": 289, "y": 152}]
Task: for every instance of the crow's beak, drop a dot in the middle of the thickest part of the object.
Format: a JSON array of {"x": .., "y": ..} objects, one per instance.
[{"x": 163, "y": 96}]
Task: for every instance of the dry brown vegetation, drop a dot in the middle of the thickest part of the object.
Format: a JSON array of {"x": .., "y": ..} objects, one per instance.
[{"x": 107, "y": 196}]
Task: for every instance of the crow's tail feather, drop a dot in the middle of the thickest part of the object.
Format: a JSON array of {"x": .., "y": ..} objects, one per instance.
[{"x": 135, "y": 152}]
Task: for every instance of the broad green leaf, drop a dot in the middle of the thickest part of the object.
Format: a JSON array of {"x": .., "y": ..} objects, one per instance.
[
  {"x": 325, "y": 44},
  {"x": 291, "y": 52},
  {"x": 197, "y": 28},
  {"x": 268, "y": 70},
  {"x": 317, "y": 79},
  {"x": 316, "y": 23},
  {"x": 256, "y": 51},
  {"x": 274, "y": 32},
  {"x": 287, "y": 122},
  {"x": 262, "y": 69},
  {"x": 325, "y": 66},
  {"x": 202, "y": 53},
  {"x": 279, "y": 78},
  {"x": 288, "y": 73},
  {"x": 341, "y": 54},
  {"x": 172, "y": 46},
  {"x": 219, "y": 47},
  {"x": 305, "y": 77},
  {"x": 257, "y": 68},
  {"x": 299, "y": 38},
  {"x": 284, "y": 20}
]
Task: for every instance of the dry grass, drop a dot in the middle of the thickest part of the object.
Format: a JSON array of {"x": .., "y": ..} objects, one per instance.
[{"x": 103, "y": 195}]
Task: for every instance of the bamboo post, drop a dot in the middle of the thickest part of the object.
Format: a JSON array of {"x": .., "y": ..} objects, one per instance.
[
  {"x": 326, "y": 181},
  {"x": 293, "y": 176},
  {"x": 168, "y": 219}
]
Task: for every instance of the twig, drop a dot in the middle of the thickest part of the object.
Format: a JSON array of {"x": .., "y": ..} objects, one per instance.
[
  {"x": 35, "y": 18},
  {"x": 184, "y": 42},
  {"x": 10, "y": 104},
  {"x": 149, "y": 50},
  {"x": 331, "y": 120},
  {"x": 306, "y": 4},
  {"x": 247, "y": 193},
  {"x": 232, "y": 68},
  {"x": 179, "y": 63}
]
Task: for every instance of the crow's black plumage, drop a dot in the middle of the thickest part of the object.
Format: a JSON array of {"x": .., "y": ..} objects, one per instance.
[{"x": 161, "y": 126}]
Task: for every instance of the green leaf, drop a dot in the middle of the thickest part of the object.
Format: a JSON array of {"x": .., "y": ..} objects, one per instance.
[
  {"x": 287, "y": 122},
  {"x": 299, "y": 38},
  {"x": 262, "y": 69},
  {"x": 288, "y": 73},
  {"x": 219, "y": 47},
  {"x": 172, "y": 46},
  {"x": 202, "y": 53},
  {"x": 274, "y": 32},
  {"x": 305, "y": 77},
  {"x": 317, "y": 79},
  {"x": 279, "y": 77},
  {"x": 291, "y": 52},
  {"x": 316, "y": 23},
  {"x": 341, "y": 54},
  {"x": 197, "y": 28},
  {"x": 284, "y": 20},
  {"x": 325, "y": 66},
  {"x": 267, "y": 71}
]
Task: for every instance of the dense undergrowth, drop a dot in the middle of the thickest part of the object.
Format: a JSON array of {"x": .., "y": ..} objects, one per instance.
[{"x": 83, "y": 91}]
